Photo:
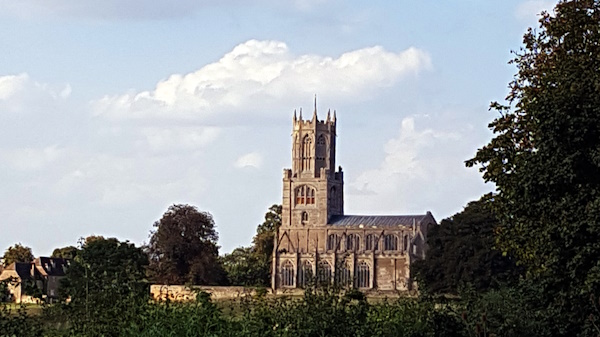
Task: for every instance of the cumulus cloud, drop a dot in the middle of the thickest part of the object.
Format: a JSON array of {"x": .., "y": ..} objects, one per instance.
[
  {"x": 252, "y": 159},
  {"x": 257, "y": 75},
  {"x": 532, "y": 8},
  {"x": 422, "y": 168},
  {"x": 20, "y": 92}
]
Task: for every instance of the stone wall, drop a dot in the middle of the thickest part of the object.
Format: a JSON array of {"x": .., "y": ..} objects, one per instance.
[{"x": 186, "y": 293}]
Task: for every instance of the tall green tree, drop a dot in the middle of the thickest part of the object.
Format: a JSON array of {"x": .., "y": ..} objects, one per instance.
[
  {"x": 17, "y": 253},
  {"x": 183, "y": 248},
  {"x": 68, "y": 252},
  {"x": 107, "y": 287},
  {"x": 545, "y": 161},
  {"x": 461, "y": 252},
  {"x": 251, "y": 266}
]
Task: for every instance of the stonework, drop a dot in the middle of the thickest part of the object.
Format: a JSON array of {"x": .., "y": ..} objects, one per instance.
[{"x": 318, "y": 242}]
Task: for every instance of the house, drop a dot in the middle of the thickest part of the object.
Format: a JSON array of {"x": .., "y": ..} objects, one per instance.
[
  {"x": 318, "y": 241},
  {"x": 28, "y": 281}
]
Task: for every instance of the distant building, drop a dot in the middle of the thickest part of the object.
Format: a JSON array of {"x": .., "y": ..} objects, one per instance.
[
  {"x": 317, "y": 241},
  {"x": 42, "y": 275}
]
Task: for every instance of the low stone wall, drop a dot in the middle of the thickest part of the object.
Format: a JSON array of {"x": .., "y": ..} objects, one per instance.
[
  {"x": 186, "y": 293},
  {"x": 181, "y": 293}
]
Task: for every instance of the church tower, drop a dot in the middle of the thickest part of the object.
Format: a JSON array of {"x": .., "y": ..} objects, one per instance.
[{"x": 312, "y": 189}]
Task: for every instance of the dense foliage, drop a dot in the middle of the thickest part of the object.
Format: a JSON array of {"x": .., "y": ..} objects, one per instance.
[
  {"x": 251, "y": 266},
  {"x": 105, "y": 285},
  {"x": 183, "y": 248},
  {"x": 461, "y": 252},
  {"x": 545, "y": 162},
  {"x": 17, "y": 253},
  {"x": 68, "y": 252}
]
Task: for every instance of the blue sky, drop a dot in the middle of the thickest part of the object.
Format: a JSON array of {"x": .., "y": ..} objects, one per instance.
[{"x": 111, "y": 111}]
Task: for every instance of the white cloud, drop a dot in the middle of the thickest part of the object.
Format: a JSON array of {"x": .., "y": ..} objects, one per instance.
[
  {"x": 532, "y": 8},
  {"x": 252, "y": 159},
  {"x": 170, "y": 138},
  {"x": 32, "y": 158},
  {"x": 422, "y": 168},
  {"x": 257, "y": 75},
  {"x": 19, "y": 93}
]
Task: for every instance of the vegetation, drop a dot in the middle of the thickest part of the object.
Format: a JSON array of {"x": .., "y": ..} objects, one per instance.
[
  {"x": 251, "y": 266},
  {"x": 17, "y": 253},
  {"x": 183, "y": 248},
  {"x": 68, "y": 252},
  {"x": 106, "y": 285},
  {"x": 461, "y": 252},
  {"x": 545, "y": 163}
]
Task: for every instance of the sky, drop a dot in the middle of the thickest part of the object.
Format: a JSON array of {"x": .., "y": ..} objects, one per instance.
[{"x": 111, "y": 111}]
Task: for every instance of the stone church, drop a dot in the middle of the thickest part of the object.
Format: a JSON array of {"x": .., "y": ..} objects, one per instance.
[{"x": 318, "y": 242}]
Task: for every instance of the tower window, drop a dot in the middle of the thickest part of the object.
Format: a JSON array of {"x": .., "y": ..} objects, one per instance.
[
  {"x": 305, "y": 195},
  {"x": 306, "y": 151},
  {"x": 304, "y": 218}
]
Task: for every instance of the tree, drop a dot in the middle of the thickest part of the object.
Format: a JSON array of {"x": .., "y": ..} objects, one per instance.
[
  {"x": 545, "y": 160},
  {"x": 265, "y": 233},
  {"x": 68, "y": 252},
  {"x": 17, "y": 253},
  {"x": 183, "y": 248},
  {"x": 106, "y": 285},
  {"x": 244, "y": 267},
  {"x": 251, "y": 266},
  {"x": 461, "y": 252}
]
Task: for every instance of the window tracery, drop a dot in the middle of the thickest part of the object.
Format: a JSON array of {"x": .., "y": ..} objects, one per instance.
[
  {"x": 287, "y": 274},
  {"x": 305, "y": 195}
]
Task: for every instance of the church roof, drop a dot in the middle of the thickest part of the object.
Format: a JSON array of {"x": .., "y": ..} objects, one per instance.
[{"x": 378, "y": 220}]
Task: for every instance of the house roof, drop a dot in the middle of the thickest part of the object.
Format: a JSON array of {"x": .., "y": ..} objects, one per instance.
[
  {"x": 22, "y": 269},
  {"x": 380, "y": 220},
  {"x": 51, "y": 266}
]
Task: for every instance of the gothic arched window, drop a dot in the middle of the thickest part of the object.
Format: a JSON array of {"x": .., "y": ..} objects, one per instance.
[
  {"x": 305, "y": 195},
  {"x": 390, "y": 242},
  {"x": 305, "y": 274},
  {"x": 332, "y": 197},
  {"x": 363, "y": 275},
  {"x": 344, "y": 276},
  {"x": 306, "y": 149},
  {"x": 352, "y": 242},
  {"x": 324, "y": 272},
  {"x": 405, "y": 242},
  {"x": 321, "y": 148},
  {"x": 332, "y": 242},
  {"x": 371, "y": 242},
  {"x": 304, "y": 218},
  {"x": 287, "y": 274}
]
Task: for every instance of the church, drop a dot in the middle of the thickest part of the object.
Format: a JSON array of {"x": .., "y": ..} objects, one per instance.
[{"x": 318, "y": 242}]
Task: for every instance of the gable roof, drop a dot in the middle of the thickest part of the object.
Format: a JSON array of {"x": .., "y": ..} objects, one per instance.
[
  {"x": 51, "y": 266},
  {"x": 21, "y": 269},
  {"x": 380, "y": 220}
]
